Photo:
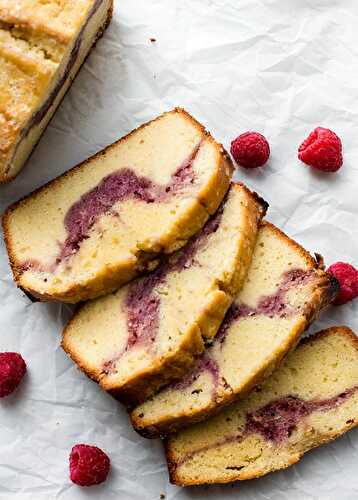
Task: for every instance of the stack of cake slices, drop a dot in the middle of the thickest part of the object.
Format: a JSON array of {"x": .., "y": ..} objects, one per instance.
[{"x": 193, "y": 303}]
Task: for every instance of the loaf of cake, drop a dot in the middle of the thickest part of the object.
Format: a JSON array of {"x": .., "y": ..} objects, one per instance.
[
  {"x": 105, "y": 221},
  {"x": 42, "y": 46},
  {"x": 311, "y": 400},
  {"x": 284, "y": 291},
  {"x": 150, "y": 331}
]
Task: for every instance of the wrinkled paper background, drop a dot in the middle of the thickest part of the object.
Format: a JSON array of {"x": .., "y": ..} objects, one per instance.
[{"x": 279, "y": 67}]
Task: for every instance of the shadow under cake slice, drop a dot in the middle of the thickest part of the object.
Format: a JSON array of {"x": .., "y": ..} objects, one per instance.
[
  {"x": 105, "y": 221},
  {"x": 311, "y": 400},
  {"x": 149, "y": 332},
  {"x": 284, "y": 291},
  {"x": 42, "y": 47}
]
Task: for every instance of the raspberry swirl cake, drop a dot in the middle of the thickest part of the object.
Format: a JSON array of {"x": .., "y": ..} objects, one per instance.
[
  {"x": 310, "y": 400},
  {"x": 105, "y": 221},
  {"x": 42, "y": 46},
  {"x": 150, "y": 331},
  {"x": 285, "y": 289}
]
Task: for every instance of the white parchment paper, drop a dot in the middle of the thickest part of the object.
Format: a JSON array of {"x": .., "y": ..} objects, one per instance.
[{"x": 278, "y": 67}]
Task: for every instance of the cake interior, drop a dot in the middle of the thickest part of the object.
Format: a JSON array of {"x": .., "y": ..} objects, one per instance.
[
  {"x": 260, "y": 327},
  {"x": 311, "y": 399},
  {"x": 173, "y": 309},
  {"x": 146, "y": 194}
]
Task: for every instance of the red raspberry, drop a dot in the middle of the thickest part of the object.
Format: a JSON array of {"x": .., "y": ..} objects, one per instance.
[
  {"x": 347, "y": 276},
  {"x": 250, "y": 150},
  {"x": 12, "y": 370},
  {"x": 88, "y": 465},
  {"x": 322, "y": 150}
]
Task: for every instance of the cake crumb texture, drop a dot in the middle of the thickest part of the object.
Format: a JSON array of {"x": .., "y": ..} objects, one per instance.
[
  {"x": 150, "y": 331},
  {"x": 284, "y": 291},
  {"x": 312, "y": 399},
  {"x": 105, "y": 221}
]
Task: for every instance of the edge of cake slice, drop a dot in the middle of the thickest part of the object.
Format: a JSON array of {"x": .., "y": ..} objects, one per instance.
[
  {"x": 284, "y": 291},
  {"x": 105, "y": 221},
  {"x": 150, "y": 331},
  {"x": 311, "y": 400},
  {"x": 42, "y": 47}
]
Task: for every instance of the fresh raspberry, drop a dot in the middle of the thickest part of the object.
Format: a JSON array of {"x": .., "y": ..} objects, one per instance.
[
  {"x": 12, "y": 370},
  {"x": 250, "y": 150},
  {"x": 88, "y": 465},
  {"x": 322, "y": 150},
  {"x": 347, "y": 276}
]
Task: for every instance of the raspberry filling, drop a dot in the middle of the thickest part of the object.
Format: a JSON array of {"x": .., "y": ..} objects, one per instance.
[
  {"x": 204, "y": 364},
  {"x": 277, "y": 420},
  {"x": 268, "y": 305},
  {"x": 119, "y": 186},
  {"x": 143, "y": 302}
]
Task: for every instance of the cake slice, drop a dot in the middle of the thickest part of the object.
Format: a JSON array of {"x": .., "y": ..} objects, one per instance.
[
  {"x": 42, "y": 46},
  {"x": 284, "y": 291},
  {"x": 149, "y": 332},
  {"x": 105, "y": 221},
  {"x": 311, "y": 400}
]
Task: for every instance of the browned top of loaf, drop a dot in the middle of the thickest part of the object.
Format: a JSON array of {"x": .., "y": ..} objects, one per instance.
[{"x": 34, "y": 37}]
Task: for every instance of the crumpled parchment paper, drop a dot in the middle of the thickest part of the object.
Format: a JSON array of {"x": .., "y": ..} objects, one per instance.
[{"x": 277, "y": 67}]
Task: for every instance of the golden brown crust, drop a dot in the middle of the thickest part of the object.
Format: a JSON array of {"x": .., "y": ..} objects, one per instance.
[
  {"x": 343, "y": 331},
  {"x": 140, "y": 387},
  {"x": 110, "y": 280},
  {"x": 173, "y": 367},
  {"x": 294, "y": 457},
  {"x": 102, "y": 152},
  {"x": 326, "y": 288},
  {"x": 5, "y": 176},
  {"x": 60, "y": 23},
  {"x": 281, "y": 235}
]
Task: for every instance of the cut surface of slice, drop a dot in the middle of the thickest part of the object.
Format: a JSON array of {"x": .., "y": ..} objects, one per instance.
[
  {"x": 284, "y": 291},
  {"x": 42, "y": 46},
  {"x": 105, "y": 221},
  {"x": 150, "y": 331},
  {"x": 310, "y": 400}
]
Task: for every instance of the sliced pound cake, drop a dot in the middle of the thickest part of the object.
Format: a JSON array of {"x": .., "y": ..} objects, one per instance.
[
  {"x": 310, "y": 400},
  {"x": 102, "y": 223},
  {"x": 149, "y": 332},
  {"x": 284, "y": 291},
  {"x": 42, "y": 46}
]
